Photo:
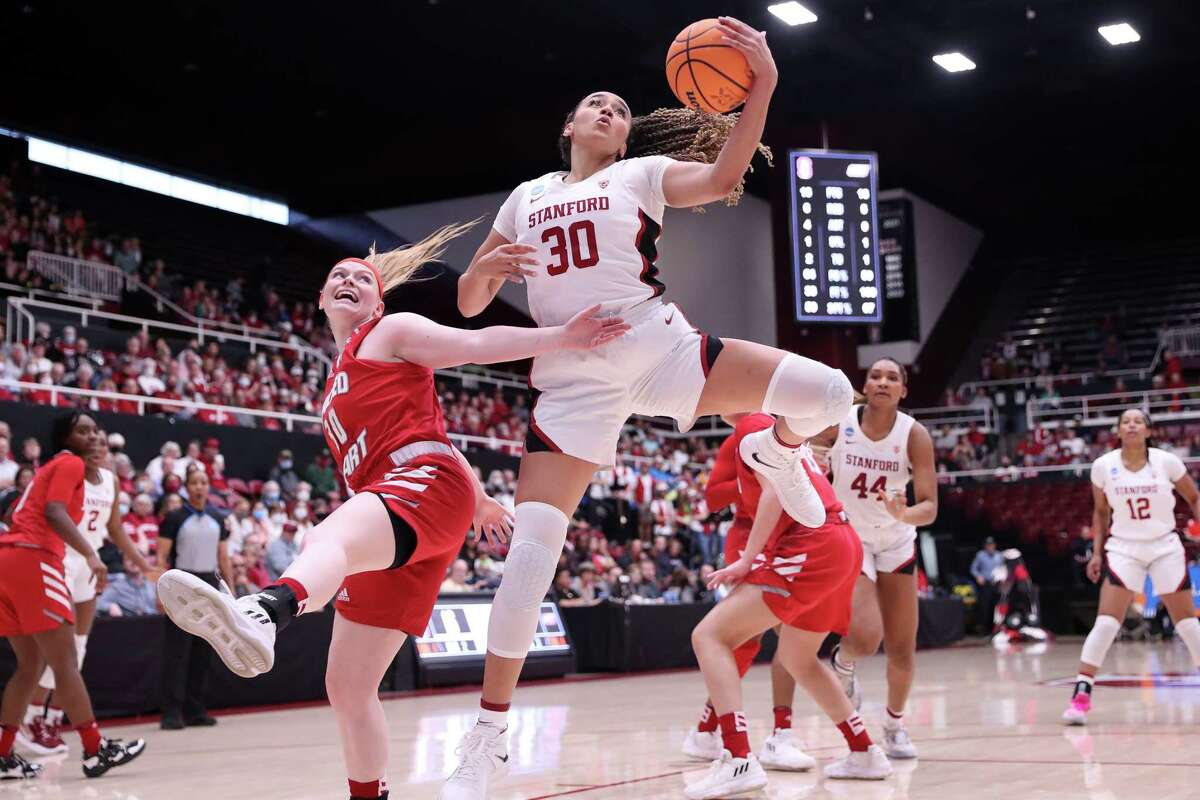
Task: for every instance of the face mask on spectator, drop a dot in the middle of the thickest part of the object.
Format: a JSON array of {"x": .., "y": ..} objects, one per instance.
[
  {"x": 300, "y": 514},
  {"x": 244, "y": 382},
  {"x": 303, "y": 495},
  {"x": 260, "y": 514},
  {"x": 285, "y": 464},
  {"x": 270, "y": 497},
  {"x": 124, "y": 509}
]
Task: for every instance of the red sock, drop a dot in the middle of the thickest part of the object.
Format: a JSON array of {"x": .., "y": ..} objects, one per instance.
[
  {"x": 298, "y": 590},
  {"x": 855, "y": 732},
  {"x": 89, "y": 735},
  {"x": 362, "y": 790},
  {"x": 744, "y": 655},
  {"x": 783, "y": 717},
  {"x": 734, "y": 734},
  {"x": 708, "y": 719},
  {"x": 8, "y": 735}
]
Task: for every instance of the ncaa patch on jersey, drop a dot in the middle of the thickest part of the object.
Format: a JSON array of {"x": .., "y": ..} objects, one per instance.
[
  {"x": 849, "y": 431},
  {"x": 537, "y": 191}
]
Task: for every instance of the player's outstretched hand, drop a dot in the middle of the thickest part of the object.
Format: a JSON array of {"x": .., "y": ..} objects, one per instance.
[
  {"x": 753, "y": 45},
  {"x": 508, "y": 262},
  {"x": 587, "y": 330},
  {"x": 492, "y": 521},
  {"x": 732, "y": 575}
]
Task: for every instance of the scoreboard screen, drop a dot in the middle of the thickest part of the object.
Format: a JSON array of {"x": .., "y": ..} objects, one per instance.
[{"x": 835, "y": 249}]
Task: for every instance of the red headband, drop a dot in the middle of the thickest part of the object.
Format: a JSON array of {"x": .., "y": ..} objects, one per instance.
[{"x": 370, "y": 266}]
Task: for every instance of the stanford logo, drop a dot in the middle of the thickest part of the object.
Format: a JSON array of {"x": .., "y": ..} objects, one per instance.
[
  {"x": 604, "y": 184},
  {"x": 896, "y": 449}
]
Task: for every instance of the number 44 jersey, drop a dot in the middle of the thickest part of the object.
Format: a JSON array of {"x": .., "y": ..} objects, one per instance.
[
  {"x": 863, "y": 469},
  {"x": 595, "y": 239}
]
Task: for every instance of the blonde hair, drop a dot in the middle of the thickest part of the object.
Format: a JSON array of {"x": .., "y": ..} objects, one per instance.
[
  {"x": 685, "y": 134},
  {"x": 397, "y": 267}
]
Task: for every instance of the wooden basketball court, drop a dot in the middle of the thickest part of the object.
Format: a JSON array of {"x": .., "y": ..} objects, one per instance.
[{"x": 986, "y": 723}]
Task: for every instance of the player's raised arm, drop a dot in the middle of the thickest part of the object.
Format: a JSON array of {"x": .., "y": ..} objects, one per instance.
[
  {"x": 693, "y": 184},
  {"x": 421, "y": 341}
]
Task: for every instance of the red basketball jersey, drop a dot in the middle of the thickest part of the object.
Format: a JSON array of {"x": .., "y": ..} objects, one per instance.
[
  {"x": 59, "y": 480},
  {"x": 373, "y": 408}
]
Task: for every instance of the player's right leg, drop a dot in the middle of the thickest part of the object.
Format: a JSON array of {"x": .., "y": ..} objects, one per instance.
[
  {"x": 17, "y": 693},
  {"x": 782, "y": 750},
  {"x": 864, "y": 637},
  {"x": 735, "y": 619},
  {"x": 798, "y": 650},
  {"x": 548, "y": 493},
  {"x": 1114, "y": 601},
  {"x": 359, "y": 656},
  {"x": 357, "y": 537}
]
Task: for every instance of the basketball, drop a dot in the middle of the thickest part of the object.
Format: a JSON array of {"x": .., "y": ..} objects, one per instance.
[{"x": 705, "y": 73}]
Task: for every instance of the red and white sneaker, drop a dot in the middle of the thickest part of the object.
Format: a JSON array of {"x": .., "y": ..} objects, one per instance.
[
  {"x": 40, "y": 738},
  {"x": 1077, "y": 712}
]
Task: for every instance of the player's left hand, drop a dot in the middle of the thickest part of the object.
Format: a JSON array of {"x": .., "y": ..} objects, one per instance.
[
  {"x": 732, "y": 575},
  {"x": 492, "y": 521},
  {"x": 753, "y": 45},
  {"x": 1193, "y": 530},
  {"x": 896, "y": 503},
  {"x": 587, "y": 329}
]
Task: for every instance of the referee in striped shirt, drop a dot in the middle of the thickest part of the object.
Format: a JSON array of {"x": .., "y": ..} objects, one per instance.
[{"x": 191, "y": 539}]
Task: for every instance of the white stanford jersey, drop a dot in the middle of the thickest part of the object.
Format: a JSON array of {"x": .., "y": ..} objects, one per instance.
[
  {"x": 595, "y": 239},
  {"x": 98, "y": 499},
  {"x": 1142, "y": 502},
  {"x": 861, "y": 468}
]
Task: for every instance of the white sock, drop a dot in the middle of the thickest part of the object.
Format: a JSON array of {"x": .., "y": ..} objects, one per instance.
[
  {"x": 497, "y": 718},
  {"x": 1189, "y": 631},
  {"x": 892, "y": 720},
  {"x": 840, "y": 664}
]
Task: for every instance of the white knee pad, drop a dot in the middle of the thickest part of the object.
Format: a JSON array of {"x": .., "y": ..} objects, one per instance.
[
  {"x": 538, "y": 537},
  {"x": 1189, "y": 631},
  {"x": 81, "y": 647},
  {"x": 809, "y": 395},
  {"x": 1095, "y": 647}
]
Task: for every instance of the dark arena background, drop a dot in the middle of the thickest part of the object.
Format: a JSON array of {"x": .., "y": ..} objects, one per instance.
[{"x": 997, "y": 196}]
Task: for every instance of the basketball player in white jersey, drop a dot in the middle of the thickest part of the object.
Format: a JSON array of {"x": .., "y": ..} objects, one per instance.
[
  {"x": 873, "y": 454},
  {"x": 40, "y": 734},
  {"x": 1133, "y": 517},
  {"x": 587, "y": 235}
]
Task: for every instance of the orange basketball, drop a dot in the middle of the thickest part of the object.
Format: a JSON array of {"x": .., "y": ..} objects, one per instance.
[{"x": 704, "y": 72}]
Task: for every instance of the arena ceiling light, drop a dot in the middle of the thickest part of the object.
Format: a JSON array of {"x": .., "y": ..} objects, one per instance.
[
  {"x": 953, "y": 62},
  {"x": 1120, "y": 33},
  {"x": 792, "y": 13},
  {"x": 152, "y": 180}
]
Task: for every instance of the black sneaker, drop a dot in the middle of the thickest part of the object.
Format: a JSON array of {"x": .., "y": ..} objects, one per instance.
[
  {"x": 16, "y": 768},
  {"x": 113, "y": 753},
  {"x": 201, "y": 721}
]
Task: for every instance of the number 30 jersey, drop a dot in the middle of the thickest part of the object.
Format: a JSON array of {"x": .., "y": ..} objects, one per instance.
[
  {"x": 595, "y": 239},
  {"x": 862, "y": 468},
  {"x": 374, "y": 408},
  {"x": 1142, "y": 502}
]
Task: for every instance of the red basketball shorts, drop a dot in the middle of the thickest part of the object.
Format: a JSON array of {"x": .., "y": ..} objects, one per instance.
[
  {"x": 808, "y": 579},
  {"x": 33, "y": 592},
  {"x": 435, "y": 495}
]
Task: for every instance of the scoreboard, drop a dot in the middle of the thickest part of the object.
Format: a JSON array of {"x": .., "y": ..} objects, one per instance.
[{"x": 834, "y": 237}]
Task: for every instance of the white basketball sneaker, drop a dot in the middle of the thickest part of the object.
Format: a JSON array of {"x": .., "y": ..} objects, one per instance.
[
  {"x": 482, "y": 755},
  {"x": 239, "y": 630},
  {"x": 703, "y": 745},
  {"x": 871, "y": 765},
  {"x": 896, "y": 742},
  {"x": 781, "y": 467},
  {"x": 728, "y": 776},
  {"x": 782, "y": 751}
]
